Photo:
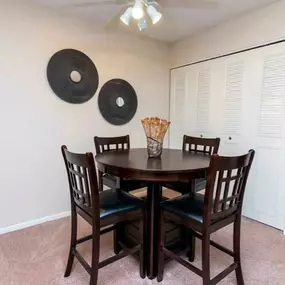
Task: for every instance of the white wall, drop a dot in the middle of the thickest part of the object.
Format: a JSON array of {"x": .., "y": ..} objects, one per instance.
[
  {"x": 259, "y": 27},
  {"x": 35, "y": 123}
]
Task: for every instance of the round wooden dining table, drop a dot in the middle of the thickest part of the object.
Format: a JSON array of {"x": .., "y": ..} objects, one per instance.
[{"x": 173, "y": 165}]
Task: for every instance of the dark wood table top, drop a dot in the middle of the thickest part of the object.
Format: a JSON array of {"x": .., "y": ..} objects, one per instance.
[{"x": 173, "y": 165}]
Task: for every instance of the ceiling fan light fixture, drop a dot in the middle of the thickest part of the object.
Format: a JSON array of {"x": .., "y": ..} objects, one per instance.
[
  {"x": 137, "y": 11},
  {"x": 154, "y": 14},
  {"x": 126, "y": 17},
  {"x": 142, "y": 24}
]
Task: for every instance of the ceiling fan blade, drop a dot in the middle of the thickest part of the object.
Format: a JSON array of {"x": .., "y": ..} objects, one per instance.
[
  {"x": 189, "y": 4},
  {"x": 98, "y": 3}
]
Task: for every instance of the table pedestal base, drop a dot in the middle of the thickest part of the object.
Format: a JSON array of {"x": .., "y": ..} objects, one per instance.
[
  {"x": 175, "y": 236},
  {"x": 175, "y": 240}
]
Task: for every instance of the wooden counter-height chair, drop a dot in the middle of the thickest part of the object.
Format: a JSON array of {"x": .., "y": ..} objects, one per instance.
[
  {"x": 204, "y": 214},
  {"x": 208, "y": 146},
  {"x": 103, "y": 210},
  {"x": 103, "y": 144},
  {"x": 136, "y": 188}
]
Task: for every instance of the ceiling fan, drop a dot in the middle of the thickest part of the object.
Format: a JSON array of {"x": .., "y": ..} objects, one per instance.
[{"x": 145, "y": 12}]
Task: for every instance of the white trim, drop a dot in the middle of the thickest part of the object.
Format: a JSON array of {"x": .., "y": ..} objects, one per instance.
[{"x": 33, "y": 222}]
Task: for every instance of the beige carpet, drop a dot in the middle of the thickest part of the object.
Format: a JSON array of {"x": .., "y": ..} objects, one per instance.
[{"x": 37, "y": 256}]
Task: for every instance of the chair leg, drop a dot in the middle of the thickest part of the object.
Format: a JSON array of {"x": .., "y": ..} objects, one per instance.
[
  {"x": 190, "y": 237},
  {"x": 142, "y": 241},
  {"x": 206, "y": 258},
  {"x": 161, "y": 253},
  {"x": 100, "y": 180},
  {"x": 95, "y": 256},
  {"x": 72, "y": 242},
  {"x": 192, "y": 245},
  {"x": 237, "y": 227},
  {"x": 116, "y": 237}
]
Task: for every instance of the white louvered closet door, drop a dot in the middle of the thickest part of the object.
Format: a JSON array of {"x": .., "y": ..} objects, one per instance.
[
  {"x": 178, "y": 107},
  {"x": 202, "y": 122},
  {"x": 231, "y": 111},
  {"x": 200, "y": 114},
  {"x": 265, "y": 196}
]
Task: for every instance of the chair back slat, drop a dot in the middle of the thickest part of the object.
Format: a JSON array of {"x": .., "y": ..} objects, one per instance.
[
  {"x": 218, "y": 192},
  {"x": 82, "y": 179},
  {"x": 238, "y": 180},
  {"x": 226, "y": 181},
  {"x": 103, "y": 144},
  {"x": 201, "y": 145},
  {"x": 86, "y": 187}
]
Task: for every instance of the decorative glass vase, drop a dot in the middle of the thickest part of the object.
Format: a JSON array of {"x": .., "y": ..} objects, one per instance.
[
  {"x": 154, "y": 148},
  {"x": 155, "y": 130}
]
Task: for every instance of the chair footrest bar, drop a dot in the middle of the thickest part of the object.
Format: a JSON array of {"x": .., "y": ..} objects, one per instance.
[
  {"x": 223, "y": 274},
  {"x": 102, "y": 232},
  {"x": 222, "y": 248},
  {"x": 107, "y": 230},
  {"x": 182, "y": 262},
  {"x": 216, "y": 245},
  {"x": 121, "y": 255},
  {"x": 83, "y": 239},
  {"x": 82, "y": 261}
]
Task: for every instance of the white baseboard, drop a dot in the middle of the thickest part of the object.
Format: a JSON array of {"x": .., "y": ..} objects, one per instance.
[{"x": 33, "y": 222}]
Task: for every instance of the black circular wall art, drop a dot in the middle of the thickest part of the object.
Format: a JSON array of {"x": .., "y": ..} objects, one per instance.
[
  {"x": 117, "y": 101},
  {"x": 72, "y": 76}
]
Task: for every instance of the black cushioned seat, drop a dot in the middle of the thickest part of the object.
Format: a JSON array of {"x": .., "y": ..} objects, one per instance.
[
  {"x": 188, "y": 206},
  {"x": 113, "y": 202}
]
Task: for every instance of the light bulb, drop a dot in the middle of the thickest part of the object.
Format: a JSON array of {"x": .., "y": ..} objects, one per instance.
[
  {"x": 154, "y": 14},
  {"x": 137, "y": 11}
]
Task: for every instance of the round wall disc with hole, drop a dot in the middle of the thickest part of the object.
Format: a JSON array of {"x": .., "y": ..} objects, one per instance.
[
  {"x": 117, "y": 101},
  {"x": 72, "y": 76}
]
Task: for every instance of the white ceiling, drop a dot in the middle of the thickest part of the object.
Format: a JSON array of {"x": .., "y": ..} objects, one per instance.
[{"x": 178, "y": 23}]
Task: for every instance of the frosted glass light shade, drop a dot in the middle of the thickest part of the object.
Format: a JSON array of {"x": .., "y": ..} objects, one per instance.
[
  {"x": 154, "y": 14},
  {"x": 126, "y": 17}
]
